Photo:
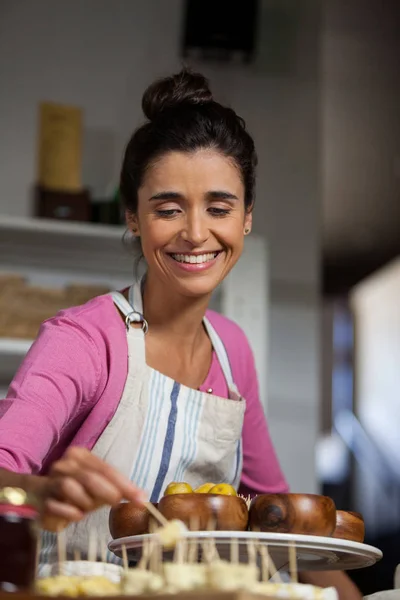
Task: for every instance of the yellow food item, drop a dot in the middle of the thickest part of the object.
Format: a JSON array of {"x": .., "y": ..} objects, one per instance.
[
  {"x": 223, "y": 575},
  {"x": 178, "y": 487},
  {"x": 98, "y": 586},
  {"x": 171, "y": 533},
  {"x": 224, "y": 489},
  {"x": 138, "y": 581},
  {"x": 205, "y": 488},
  {"x": 63, "y": 585}
]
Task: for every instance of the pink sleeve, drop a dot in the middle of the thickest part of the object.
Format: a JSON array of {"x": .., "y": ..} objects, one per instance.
[
  {"x": 261, "y": 470},
  {"x": 49, "y": 396}
]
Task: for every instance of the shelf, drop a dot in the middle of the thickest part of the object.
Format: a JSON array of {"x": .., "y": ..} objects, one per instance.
[
  {"x": 12, "y": 352},
  {"x": 28, "y": 243},
  {"x": 75, "y": 229}
]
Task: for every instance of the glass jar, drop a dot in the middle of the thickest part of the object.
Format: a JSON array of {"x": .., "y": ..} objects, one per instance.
[{"x": 19, "y": 530}]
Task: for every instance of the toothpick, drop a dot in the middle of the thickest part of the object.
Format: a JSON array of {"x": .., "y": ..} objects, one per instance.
[
  {"x": 125, "y": 561},
  {"x": 179, "y": 552},
  {"x": 193, "y": 554},
  {"x": 103, "y": 550},
  {"x": 234, "y": 551},
  {"x": 153, "y": 555},
  {"x": 159, "y": 556},
  {"x": 92, "y": 546},
  {"x": 144, "y": 559},
  {"x": 156, "y": 514},
  {"x": 264, "y": 563},
  {"x": 275, "y": 576},
  {"x": 251, "y": 552},
  {"x": 77, "y": 554},
  {"x": 61, "y": 548},
  {"x": 293, "y": 563}
]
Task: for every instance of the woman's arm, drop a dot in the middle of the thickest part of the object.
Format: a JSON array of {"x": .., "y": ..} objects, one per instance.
[
  {"x": 261, "y": 470},
  {"x": 346, "y": 589},
  {"x": 77, "y": 484},
  {"x": 52, "y": 392}
]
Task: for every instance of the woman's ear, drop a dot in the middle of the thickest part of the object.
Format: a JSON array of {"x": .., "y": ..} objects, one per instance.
[
  {"x": 132, "y": 222},
  {"x": 248, "y": 222}
]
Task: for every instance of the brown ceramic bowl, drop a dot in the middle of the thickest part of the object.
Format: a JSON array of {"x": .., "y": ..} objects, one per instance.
[
  {"x": 349, "y": 526},
  {"x": 128, "y": 519},
  {"x": 204, "y": 511},
  {"x": 306, "y": 514}
]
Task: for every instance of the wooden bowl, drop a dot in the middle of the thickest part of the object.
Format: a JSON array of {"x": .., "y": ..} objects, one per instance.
[
  {"x": 306, "y": 514},
  {"x": 202, "y": 511},
  {"x": 129, "y": 519},
  {"x": 349, "y": 526}
]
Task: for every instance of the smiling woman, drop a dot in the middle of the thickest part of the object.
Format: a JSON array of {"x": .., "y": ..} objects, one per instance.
[{"x": 146, "y": 386}]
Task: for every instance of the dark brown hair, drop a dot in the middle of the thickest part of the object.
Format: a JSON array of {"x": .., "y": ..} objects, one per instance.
[{"x": 183, "y": 116}]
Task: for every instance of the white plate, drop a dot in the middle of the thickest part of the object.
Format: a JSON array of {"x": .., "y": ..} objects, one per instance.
[{"x": 313, "y": 553}]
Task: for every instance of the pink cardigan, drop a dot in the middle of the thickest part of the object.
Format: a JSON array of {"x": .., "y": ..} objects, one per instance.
[{"x": 70, "y": 383}]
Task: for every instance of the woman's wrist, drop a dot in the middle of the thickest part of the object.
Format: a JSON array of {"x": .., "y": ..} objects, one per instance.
[{"x": 35, "y": 484}]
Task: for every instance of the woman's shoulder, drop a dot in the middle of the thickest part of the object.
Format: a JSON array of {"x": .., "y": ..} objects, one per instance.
[
  {"x": 96, "y": 317},
  {"x": 231, "y": 334}
]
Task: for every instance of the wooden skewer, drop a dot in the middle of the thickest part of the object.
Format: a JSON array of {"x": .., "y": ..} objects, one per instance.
[
  {"x": 61, "y": 549},
  {"x": 251, "y": 552},
  {"x": 159, "y": 517},
  {"x": 264, "y": 564},
  {"x": 272, "y": 568},
  {"x": 144, "y": 559},
  {"x": 193, "y": 552},
  {"x": 153, "y": 558},
  {"x": 159, "y": 556},
  {"x": 234, "y": 551},
  {"x": 179, "y": 552},
  {"x": 92, "y": 546},
  {"x": 103, "y": 550},
  {"x": 293, "y": 563},
  {"x": 77, "y": 555},
  {"x": 125, "y": 561},
  {"x": 211, "y": 545}
]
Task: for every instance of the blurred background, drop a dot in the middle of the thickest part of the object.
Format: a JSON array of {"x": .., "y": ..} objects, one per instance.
[{"x": 318, "y": 288}]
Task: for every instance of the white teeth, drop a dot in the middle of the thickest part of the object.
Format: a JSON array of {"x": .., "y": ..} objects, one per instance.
[{"x": 194, "y": 258}]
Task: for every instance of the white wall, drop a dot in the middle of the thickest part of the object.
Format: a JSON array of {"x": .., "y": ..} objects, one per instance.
[{"x": 100, "y": 55}]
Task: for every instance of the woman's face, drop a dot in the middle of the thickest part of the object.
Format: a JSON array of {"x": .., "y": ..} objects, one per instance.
[{"x": 191, "y": 220}]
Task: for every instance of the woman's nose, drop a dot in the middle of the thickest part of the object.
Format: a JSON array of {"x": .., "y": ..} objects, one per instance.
[{"x": 195, "y": 230}]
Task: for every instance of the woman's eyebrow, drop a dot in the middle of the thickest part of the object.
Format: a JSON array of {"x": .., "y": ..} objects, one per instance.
[
  {"x": 166, "y": 195},
  {"x": 221, "y": 194}
]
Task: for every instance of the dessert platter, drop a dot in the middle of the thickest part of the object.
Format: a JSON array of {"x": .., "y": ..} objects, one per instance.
[
  {"x": 211, "y": 542},
  {"x": 324, "y": 538}
]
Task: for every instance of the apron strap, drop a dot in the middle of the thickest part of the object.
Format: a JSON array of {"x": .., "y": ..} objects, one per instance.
[
  {"x": 135, "y": 335},
  {"x": 222, "y": 356},
  {"x": 133, "y": 312}
]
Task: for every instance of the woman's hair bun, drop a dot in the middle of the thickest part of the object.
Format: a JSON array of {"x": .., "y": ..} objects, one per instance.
[{"x": 185, "y": 87}]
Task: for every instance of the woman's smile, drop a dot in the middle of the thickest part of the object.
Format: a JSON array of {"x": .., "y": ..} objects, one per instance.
[{"x": 194, "y": 262}]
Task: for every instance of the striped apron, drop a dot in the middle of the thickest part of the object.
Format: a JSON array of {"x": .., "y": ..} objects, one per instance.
[{"x": 162, "y": 431}]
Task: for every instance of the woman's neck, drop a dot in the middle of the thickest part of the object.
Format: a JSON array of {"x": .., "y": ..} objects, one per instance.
[{"x": 169, "y": 312}]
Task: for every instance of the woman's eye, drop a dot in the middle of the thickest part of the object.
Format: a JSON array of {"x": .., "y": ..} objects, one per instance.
[
  {"x": 219, "y": 212},
  {"x": 168, "y": 212}
]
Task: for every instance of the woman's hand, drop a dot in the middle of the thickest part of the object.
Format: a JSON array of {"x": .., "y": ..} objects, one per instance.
[{"x": 79, "y": 483}]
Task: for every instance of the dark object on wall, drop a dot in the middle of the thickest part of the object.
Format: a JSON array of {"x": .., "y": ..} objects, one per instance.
[
  {"x": 220, "y": 29},
  {"x": 64, "y": 206}
]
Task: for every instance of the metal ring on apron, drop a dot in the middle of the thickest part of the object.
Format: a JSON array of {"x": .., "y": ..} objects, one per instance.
[{"x": 136, "y": 317}]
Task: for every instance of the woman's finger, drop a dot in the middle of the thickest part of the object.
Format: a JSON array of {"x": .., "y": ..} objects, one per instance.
[
  {"x": 127, "y": 489},
  {"x": 70, "y": 490},
  {"x": 94, "y": 485},
  {"x": 61, "y": 511}
]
